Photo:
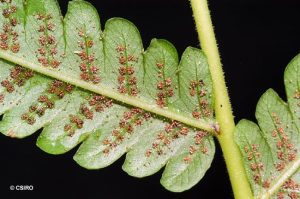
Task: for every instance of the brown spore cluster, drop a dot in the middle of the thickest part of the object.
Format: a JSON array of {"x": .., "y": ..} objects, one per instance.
[
  {"x": 8, "y": 34},
  {"x": 89, "y": 71},
  {"x": 286, "y": 151},
  {"x": 173, "y": 131},
  {"x": 47, "y": 52},
  {"x": 256, "y": 165},
  {"x": 2, "y": 98},
  {"x": 56, "y": 91},
  {"x": 290, "y": 188},
  {"x": 127, "y": 81},
  {"x": 197, "y": 90},
  {"x": 286, "y": 154},
  {"x": 18, "y": 77},
  {"x": 164, "y": 86},
  {"x": 131, "y": 119},
  {"x": 297, "y": 97},
  {"x": 197, "y": 146},
  {"x": 96, "y": 103}
]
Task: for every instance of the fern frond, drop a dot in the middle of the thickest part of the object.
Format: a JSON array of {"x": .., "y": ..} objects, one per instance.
[
  {"x": 82, "y": 84},
  {"x": 271, "y": 150}
]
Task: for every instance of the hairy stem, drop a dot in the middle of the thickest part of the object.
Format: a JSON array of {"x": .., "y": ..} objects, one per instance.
[{"x": 232, "y": 155}]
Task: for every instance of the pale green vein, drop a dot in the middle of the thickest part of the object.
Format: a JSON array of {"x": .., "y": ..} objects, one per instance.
[
  {"x": 208, "y": 125},
  {"x": 281, "y": 180}
]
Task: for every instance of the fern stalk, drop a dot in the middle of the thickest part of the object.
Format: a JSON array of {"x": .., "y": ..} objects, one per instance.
[{"x": 224, "y": 116}]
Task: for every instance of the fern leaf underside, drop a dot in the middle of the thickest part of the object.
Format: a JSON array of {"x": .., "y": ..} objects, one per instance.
[
  {"x": 34, "y": 32},
  {"x": 271, "y": 148}
]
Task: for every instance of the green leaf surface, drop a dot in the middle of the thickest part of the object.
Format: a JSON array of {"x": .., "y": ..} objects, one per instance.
[
  {"x": 178, "y": 175},
  {"x": 101, "y": 90},
  {"x": 271, "y": 148}
]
